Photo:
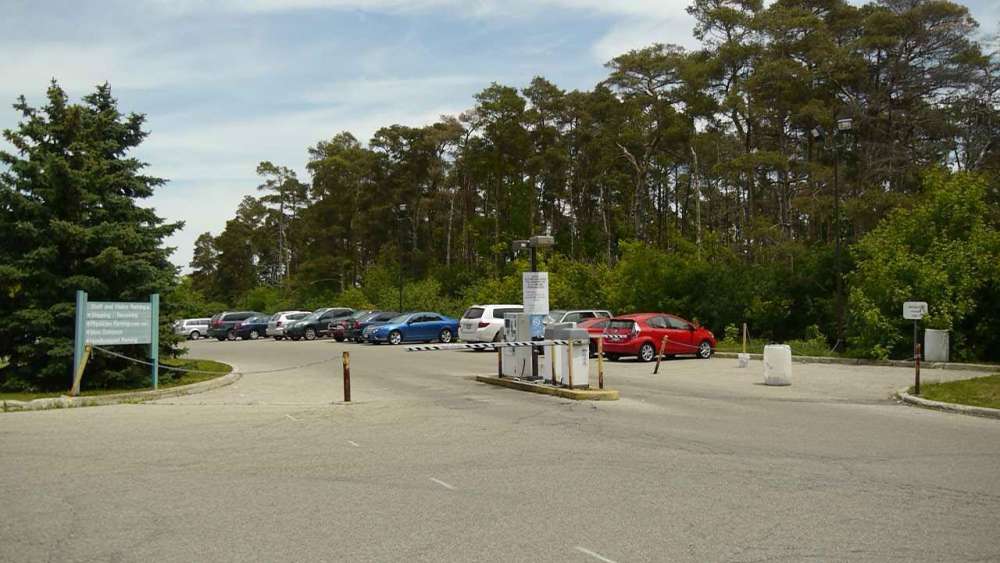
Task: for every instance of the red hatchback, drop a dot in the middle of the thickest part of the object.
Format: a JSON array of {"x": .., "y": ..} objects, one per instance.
[{"x": 640, "y": 335}]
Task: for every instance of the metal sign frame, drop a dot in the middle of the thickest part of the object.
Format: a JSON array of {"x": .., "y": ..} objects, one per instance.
[{"x": 82, "y": 345}]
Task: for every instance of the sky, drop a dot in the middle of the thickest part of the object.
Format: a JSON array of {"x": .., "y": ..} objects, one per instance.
[{"x": 230, "y": 83}]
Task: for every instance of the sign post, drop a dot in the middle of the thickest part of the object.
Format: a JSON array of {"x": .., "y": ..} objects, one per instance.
[
  {"x": 915, "y": 310},
  {"x": 114, "y": 323},
  {"x": 535, "y": 295}
]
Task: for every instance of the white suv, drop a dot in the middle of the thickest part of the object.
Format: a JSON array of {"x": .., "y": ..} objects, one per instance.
[
  {"x": 484, "y": 323},
  {"x": 575, "y": 315},
  {"x": 279, "y": 321}
]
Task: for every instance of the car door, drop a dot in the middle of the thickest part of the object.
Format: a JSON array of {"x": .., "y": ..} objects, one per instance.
[
  {"x": 680, "y": 336},
  {"x": 421, "y": 327},
  {"x": 659, "y": 327}
]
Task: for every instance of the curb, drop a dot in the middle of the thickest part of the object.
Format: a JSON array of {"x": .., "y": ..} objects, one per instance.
[
  {"x": 987, "y": 412},
  {"x": 66, "y": 402},
  {"x": 576, "y": 394},
  {"x": 882, "y": 363}
]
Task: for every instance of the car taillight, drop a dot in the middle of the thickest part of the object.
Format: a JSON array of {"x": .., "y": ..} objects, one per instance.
[{"x": 483, "y": 325}]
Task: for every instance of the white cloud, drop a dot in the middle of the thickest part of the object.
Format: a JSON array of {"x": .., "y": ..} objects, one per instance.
[
  {"x": 124, "y": 64},
  {"x": 632, "y": 33}
]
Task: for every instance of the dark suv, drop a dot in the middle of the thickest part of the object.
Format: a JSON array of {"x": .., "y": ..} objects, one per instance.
[
  {"x": 316, "y": 324},
  {"x": 223, "y": 325}
]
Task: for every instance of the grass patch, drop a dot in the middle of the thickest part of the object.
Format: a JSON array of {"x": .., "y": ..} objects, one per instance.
[
  {"x": 168, "y": 379},
  {"x": 977, "y": 392},
  {"x": 815, "y": 347}
]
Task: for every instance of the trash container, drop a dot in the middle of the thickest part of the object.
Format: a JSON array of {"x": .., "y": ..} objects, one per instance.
[
  {"x": 936, "y": 345},
  {"x": 777, "y": 364}
]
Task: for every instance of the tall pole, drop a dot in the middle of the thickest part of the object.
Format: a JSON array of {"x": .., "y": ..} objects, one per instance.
[
  {"x": 838, "y": 289},
  {"x": 399, "y": 235},
  {"x": 534, "y": 349}
]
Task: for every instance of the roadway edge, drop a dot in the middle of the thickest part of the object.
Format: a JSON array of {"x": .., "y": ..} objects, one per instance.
[
  {"x": 863, "y": 362},
  {"x": 576, "y": 394},
  {"x": 66, "y": 402},
  {"x": 906, "y": 397}
]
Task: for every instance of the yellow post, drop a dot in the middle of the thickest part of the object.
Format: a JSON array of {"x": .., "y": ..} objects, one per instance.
[
  {"x": 600, "y": 362},
  {"x": 552, "y": 363},
  {"x": 659, "y": 356},
  {"x": 78, "y": 376}
]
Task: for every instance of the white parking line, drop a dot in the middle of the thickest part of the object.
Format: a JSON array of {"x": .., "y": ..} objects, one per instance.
[
  {"x": 443, "y": 484},
  {"x": 353, "y": 443},
  {"x": 292, "y": 417},
  {"x": 597, "y": 556}
]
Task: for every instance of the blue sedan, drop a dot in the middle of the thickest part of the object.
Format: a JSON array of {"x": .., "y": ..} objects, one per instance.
[{"x": 423, "y": 327}]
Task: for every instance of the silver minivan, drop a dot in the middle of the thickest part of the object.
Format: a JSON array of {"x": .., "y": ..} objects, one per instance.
[{"x": 192, "y": 329}]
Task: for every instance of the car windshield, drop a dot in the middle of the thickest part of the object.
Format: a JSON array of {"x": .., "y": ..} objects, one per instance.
[
  {"x": 313, "y": 316},
  {"x": 400, "y": 319},
  {"x": 554, "y": 316},
  {"x": 473, "y": 313},
  {"x": 360, "y": 314},
  {"x": 297, "y": 316}
]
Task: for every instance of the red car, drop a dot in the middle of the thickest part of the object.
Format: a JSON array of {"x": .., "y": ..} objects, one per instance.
[
  {"x": 640, "y": 334},
  {"x": 595, "y": 326}
]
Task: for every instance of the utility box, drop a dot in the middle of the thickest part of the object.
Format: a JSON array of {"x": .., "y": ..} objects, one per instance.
[
  {"x": 555, "y": 365},
  {"x": 516, "y": 361},
  {"x": 777, "y": 364},
  {"x": 936, "y": 345}
]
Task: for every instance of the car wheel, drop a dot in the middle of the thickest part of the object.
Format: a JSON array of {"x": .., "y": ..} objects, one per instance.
[
  {"x": 705, "y": 350},
  {"x": 296, "y": 338},
  {"x": 338, "y": 338},
  {"x": 254, "y": 335},
  {"x": 231, "y": 335},
  {"x": 647, "y": 352},
  {"x": 498, "y": 337},
  {"x": 310, "y": 334},
  {"x": 220, "y": 338},
  {"x": 195, "y": 335},
  {"x": 277, "y": 338},
  {"x": 395, "y": 337},
  {"x": 359, "y": 340},
  {"x": 445, "y": 336},
  {"x": 612, "y": 357}
]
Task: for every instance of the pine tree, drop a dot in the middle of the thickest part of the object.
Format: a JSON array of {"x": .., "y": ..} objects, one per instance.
[{"x": 70, "y": 219}]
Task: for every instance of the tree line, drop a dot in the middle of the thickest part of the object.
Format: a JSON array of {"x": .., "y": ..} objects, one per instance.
[{"x": 773, "y": 148}]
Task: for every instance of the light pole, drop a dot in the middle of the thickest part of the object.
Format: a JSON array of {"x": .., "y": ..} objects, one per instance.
[
  {"x": 845, "y": 126},
  {"x": 400, "y": 210}
]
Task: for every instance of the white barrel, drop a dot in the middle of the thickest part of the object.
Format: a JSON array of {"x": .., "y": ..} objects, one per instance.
[
  {"x": 777, "y": 364},
  {"x": 743, "y": 360},
  {"x": 936, "y": 345}
]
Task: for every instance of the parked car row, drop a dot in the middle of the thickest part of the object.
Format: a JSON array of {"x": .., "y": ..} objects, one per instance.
[{"x": 637, "y": 334}]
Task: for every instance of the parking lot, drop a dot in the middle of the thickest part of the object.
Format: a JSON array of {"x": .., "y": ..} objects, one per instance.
[{"x": 698, "y": 463}]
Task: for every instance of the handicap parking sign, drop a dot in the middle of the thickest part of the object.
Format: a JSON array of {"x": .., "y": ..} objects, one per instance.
[{"x": 537, "y": 326}]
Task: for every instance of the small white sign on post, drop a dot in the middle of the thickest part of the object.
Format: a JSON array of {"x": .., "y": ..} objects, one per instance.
[
  {"x": 535, "y": 290},
  {"x": 914, "y": 310}
]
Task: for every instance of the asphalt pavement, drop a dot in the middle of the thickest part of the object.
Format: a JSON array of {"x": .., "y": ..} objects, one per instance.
[{"x": 699, "y": 463}]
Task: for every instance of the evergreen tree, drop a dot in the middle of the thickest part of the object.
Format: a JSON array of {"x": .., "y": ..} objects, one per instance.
[{"x": 70, "y": 219}]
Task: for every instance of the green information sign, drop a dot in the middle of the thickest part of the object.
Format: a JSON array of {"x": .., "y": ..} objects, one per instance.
[
  {"x": 116, "y": 323},
  {"x": 113, "y": 323}
]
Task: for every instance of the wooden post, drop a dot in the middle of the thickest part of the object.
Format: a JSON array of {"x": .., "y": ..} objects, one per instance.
[
  {"x": 600, "y": 362},
  {"x": 499, "y": 362},
  {"x": 78, "y": 375},
  {"x": 663, "y": 346},
  {"x": 916, "y": 375},
  {"x": 569, "y": 361},
  {"x": 347, "y": 377},
  {"x": 552, "y": 363},
  {"x": 744, "y": 338}
]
